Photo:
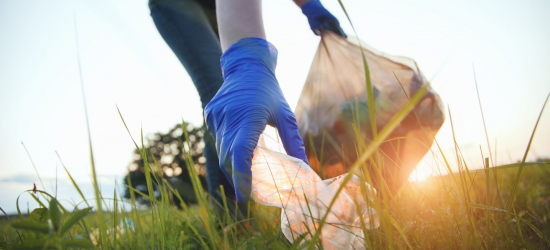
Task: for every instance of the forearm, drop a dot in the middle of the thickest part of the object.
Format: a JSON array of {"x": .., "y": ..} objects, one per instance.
[
  {"x": 300, "y": 2},
  {"x": 238, "y": 19}
]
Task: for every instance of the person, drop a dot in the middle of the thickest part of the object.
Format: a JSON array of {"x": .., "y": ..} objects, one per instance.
[{"x": 240, "y": 94}]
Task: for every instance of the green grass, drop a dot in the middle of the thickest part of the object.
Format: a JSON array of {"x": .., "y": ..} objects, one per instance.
[
  {"x": 468, "y": 209},
  {"x": 459, "y": 210},
  {"x": 426, "y": 215}
]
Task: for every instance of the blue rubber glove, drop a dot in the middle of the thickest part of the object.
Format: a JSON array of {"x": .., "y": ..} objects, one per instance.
[
  {"x": 249, "y": 99},
  {"x": 320, "y": 18}
]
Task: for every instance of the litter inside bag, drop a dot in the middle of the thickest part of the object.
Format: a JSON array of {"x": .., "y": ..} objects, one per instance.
[
  {"x": 283, "y": 181},
  {"x": 335, "y": 94}
]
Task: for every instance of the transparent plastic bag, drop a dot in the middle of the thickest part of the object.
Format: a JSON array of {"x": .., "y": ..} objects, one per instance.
[
  {"x": 283, "y": 181},
  {"x": 335, "y": 92}
]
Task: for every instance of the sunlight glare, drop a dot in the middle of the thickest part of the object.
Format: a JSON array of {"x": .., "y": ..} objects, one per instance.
[{"x": 421, "y": 173}]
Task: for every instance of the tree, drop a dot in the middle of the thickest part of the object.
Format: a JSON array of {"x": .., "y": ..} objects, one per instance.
[{"x": 167, "y": 150}]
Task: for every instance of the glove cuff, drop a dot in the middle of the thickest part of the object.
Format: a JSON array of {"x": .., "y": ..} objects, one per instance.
[
  {"x": 247, "y": 55},
  {"x": 312, "y": 7}
]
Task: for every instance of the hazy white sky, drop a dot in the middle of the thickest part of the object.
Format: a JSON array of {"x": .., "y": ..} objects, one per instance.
[{"x": 125, "y": 62}]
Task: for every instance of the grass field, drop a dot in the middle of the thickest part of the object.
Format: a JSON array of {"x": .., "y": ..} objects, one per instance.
[
  {"x": 424, "y": 215},
  {"x": 501, "y": 207},
  {"x": 464, "y": 210}
]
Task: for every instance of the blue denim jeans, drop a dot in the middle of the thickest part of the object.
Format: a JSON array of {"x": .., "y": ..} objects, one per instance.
[{"x": 190, "y": 29}]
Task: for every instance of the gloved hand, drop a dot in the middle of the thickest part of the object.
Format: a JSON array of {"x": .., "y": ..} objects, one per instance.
[
  {"x": 249, "y": 99},
  {"x": 320, "y": 18}
]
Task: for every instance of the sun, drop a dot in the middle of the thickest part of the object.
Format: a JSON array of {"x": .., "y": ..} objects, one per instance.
[{"x": 421, "y": 173}]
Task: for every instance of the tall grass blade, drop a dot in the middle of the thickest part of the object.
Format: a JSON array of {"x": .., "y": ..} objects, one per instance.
[
  {"x": 150, "y": 189},
  {"x": 72, "y": 180},
  {"x": 487, "y": 137},
  {"x": 370, "y": 93},
  {"x": 102, "y": 228},
  {"x": 537, "y": 231},
  {"x": 73, "y": 219},
  {"x": 487, "y": 194},
  {"x": 7, "y": 216},
  {"x": 518, "y": 174},
  {"x": 115, "y": 219},
  {"x": 55, "y": 214},
  {"x": 162, "y": 204},
  {"x": 32, "y": 226},
  {"x": 199, "y": 192},
  {"x": 483, "y": 118},
  {"x": 30, "y": 158}
]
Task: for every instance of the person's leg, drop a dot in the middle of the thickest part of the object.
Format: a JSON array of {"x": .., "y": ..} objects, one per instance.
[{"x": 188, "y": 29}]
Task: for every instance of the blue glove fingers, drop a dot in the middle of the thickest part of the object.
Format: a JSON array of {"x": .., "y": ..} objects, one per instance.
[
  {"x": 237, "y": 136},
  {"x": 241, "y": 154},
  {"x": 320, "y": 18},
  {"x": 288, "y": 131},
  {"x": 333, "y": 26}
]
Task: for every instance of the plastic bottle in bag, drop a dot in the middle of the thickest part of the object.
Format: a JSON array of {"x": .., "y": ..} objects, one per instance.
[
  {"x": 283, "y": 181},
  {"x": 335, "y": 91}
]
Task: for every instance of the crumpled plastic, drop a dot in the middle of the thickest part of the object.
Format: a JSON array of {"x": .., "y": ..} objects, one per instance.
[
  {"x": 335, "y": 94},
  {"x": 286, "y": 182}
]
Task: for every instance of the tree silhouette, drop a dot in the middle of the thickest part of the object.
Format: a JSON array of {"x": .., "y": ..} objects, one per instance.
[{"x": 167, "y": 150}]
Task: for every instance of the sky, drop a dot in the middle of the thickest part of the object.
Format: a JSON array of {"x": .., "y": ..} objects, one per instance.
[{"x": 126, "y": 63}]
